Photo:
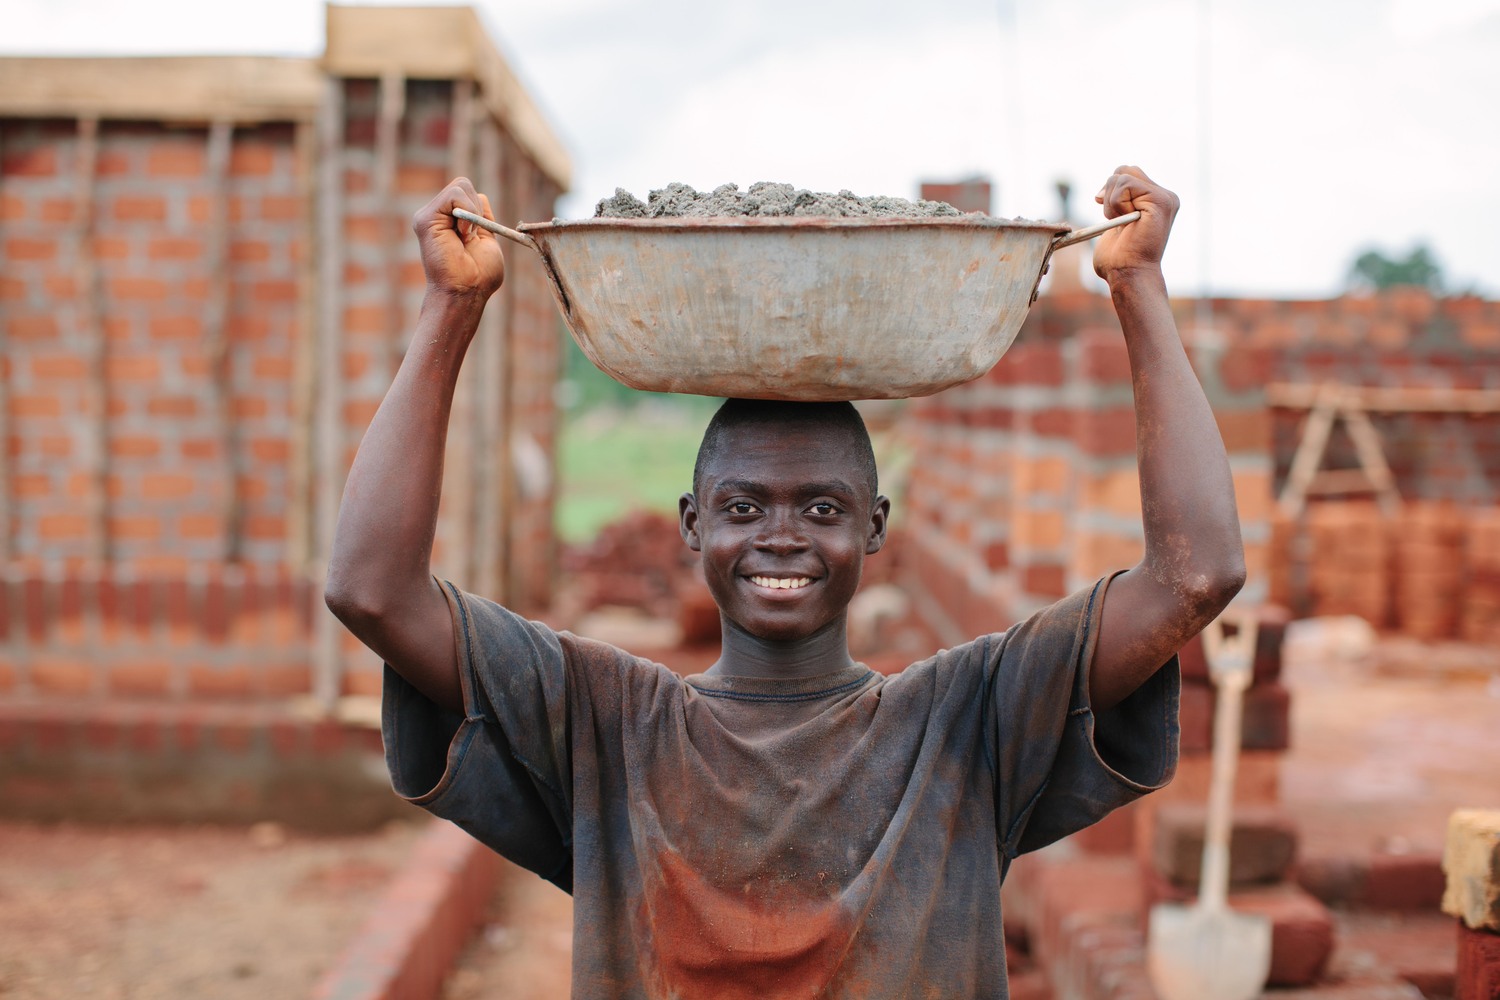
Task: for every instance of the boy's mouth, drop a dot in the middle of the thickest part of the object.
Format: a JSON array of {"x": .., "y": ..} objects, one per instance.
[{"x": 781, "y": 582}]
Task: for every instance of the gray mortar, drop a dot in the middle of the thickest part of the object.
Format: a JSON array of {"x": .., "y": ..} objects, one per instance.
[{"x": 764, "y": 198}]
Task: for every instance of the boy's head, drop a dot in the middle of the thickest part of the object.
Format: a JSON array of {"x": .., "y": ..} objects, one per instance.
[{"x": 784, "y": 509}]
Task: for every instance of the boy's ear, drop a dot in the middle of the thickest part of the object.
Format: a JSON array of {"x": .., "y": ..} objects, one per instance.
[
  {"x": 687, "y": 521},
  {"x": 880, "y": 513}
]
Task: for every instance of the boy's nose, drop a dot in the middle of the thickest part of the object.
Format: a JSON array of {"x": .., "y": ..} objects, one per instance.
[{"x": 780, "y": 535}]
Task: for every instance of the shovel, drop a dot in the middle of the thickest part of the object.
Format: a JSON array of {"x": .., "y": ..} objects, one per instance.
[{"x": 1206, "y": 951}]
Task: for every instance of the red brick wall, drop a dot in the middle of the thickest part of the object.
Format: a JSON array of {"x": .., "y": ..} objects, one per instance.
[
  {"x": 165, "y": 613},
  {"x": 1024, "y": 484}
]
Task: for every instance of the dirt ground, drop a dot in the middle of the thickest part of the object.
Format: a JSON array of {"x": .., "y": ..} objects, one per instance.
[
  {"x": 1389, "y": 736},
  {"x": 140, "y": 913}
]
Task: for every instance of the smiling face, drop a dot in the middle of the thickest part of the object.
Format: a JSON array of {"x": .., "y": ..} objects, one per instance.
[{"x": 784, "y": 514}]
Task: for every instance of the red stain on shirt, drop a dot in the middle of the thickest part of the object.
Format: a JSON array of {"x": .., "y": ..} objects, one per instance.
[{"x": 782, "y": 935}]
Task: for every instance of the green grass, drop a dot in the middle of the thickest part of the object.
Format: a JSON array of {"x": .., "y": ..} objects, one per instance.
[{"x": 613, "y": 461}]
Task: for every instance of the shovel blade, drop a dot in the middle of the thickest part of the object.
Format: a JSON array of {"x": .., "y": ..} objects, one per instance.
[{"x": 1196, "y": 954}]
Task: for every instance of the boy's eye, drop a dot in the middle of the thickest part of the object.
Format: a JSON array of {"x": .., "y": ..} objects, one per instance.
[
  {"x": 824, "y": 509},
  {"x": 741, "y": 507}
]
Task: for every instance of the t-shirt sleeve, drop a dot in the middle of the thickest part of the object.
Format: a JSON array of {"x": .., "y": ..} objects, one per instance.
[
  {"x": 1059, "y": 765},
  {"x": 501, "y": 769}
]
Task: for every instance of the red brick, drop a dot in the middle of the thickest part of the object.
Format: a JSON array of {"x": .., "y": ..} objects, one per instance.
[
  {"x": 247, "y": 327},
  {"x": 175, "y": 160},
  {"x": 139, "y": 208},
  {"x": 174, "y": 248},
  {"x": 1037, "y": 364},
  {"x": 1107, "y": 432},
  {"x": 18, "y": 248},
  {"x": 58, "y": 210},
  {"x": 172, "y": 406},
  {"x": 249, "y": 251},
  {"x": 265, "y": 527},
  {"x": 249, "y": 159},
  {"x": 12, "y": 289},
  {"x": 1045, "y": 580},
  {"x": 233, "y": 682},
  {"x": 56, "y": 527},
  {"x": 281, "y": 208},
  {"x": 111, "y": 248},
  {"x": 200, "y": 448},
  {"x": 114, "y": 163},
  {"x": 147, "y": 678},
  {"x": 270, "y": 449},
  {"x": 1266, "y": 722},
  {"x": 63, "y": 366},
  {"x": 134, "y": 446},
  {"x": 1405, "y": 882},
  {"x": 133, "y": 368},
  {"x": 1246, "y": 367},
  {"x": 274, "y": 291},
  {"x": 199, "y": 526},
  {"x": 38, "y": 162},
  {"x": 175, "y": 327},
  {"x": 1478, "y": 975},
  {"x": 414, "y": 178},
  {"x": 138, "y": 289},
  {"x": 287, "y": 679},
  {"x": 1263, "y": 844},
  {"x": 272, "y": 367},
  {"x": 137, "y": 527},
  {"x": 62, "y": 676},
  {"x": 31, "y": 327},
  {"x": 1105, "y": 358},
  {"x": 36, "y": 405}
]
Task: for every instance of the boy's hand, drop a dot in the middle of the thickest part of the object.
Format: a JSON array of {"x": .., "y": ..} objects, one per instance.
[
  {"x": 459, "y": 258},
  {"x": 1140, "y": 244}
]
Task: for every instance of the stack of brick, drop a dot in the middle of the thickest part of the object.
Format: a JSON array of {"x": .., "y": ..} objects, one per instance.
[
  {"x": 1349, "y": 561},
  {"x": 1429, "y": 570},
  {"x": 1481, "y": 594}
]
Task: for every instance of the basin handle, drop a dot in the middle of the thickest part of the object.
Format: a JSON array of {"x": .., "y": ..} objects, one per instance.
[
  {"x": 506, "y": 231},
  {"x": 1065, "y": 240}
]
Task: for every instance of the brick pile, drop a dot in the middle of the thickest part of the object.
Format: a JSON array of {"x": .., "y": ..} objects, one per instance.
[
  {"x": 1429, "y": 570},
  {"x": 1481, "y": 595},
  {"x": 638, "y": 561},
  {"x": 1349, "y": 561}
]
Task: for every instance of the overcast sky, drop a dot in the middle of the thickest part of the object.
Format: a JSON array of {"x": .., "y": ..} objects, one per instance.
[{"x": 1332, "y": 125}]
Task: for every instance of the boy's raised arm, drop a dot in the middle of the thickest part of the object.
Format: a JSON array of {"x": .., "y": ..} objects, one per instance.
[
  {"x": 379, "y": 578},
  {"x": 1194, "y": 562}
]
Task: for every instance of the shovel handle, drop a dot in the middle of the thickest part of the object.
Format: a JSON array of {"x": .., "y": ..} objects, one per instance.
[
  {"x": 1229, "y": 660},
  {"x": 496, "y": 228},
  {"x": 1081, "y": 235}
]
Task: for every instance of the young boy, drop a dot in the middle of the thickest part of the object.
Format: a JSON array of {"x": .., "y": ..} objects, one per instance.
[{"x": 788, "y": 823}]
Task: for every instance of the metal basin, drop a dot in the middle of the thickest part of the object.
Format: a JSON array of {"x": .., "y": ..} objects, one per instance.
[{"x": 795, "y": 308}]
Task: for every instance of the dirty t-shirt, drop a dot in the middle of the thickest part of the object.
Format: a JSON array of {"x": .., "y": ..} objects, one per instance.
[{"x": 737, "y": 837}]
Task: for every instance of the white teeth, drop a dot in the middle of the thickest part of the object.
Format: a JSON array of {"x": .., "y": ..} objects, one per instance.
[{"x": 781, "y": 583}]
